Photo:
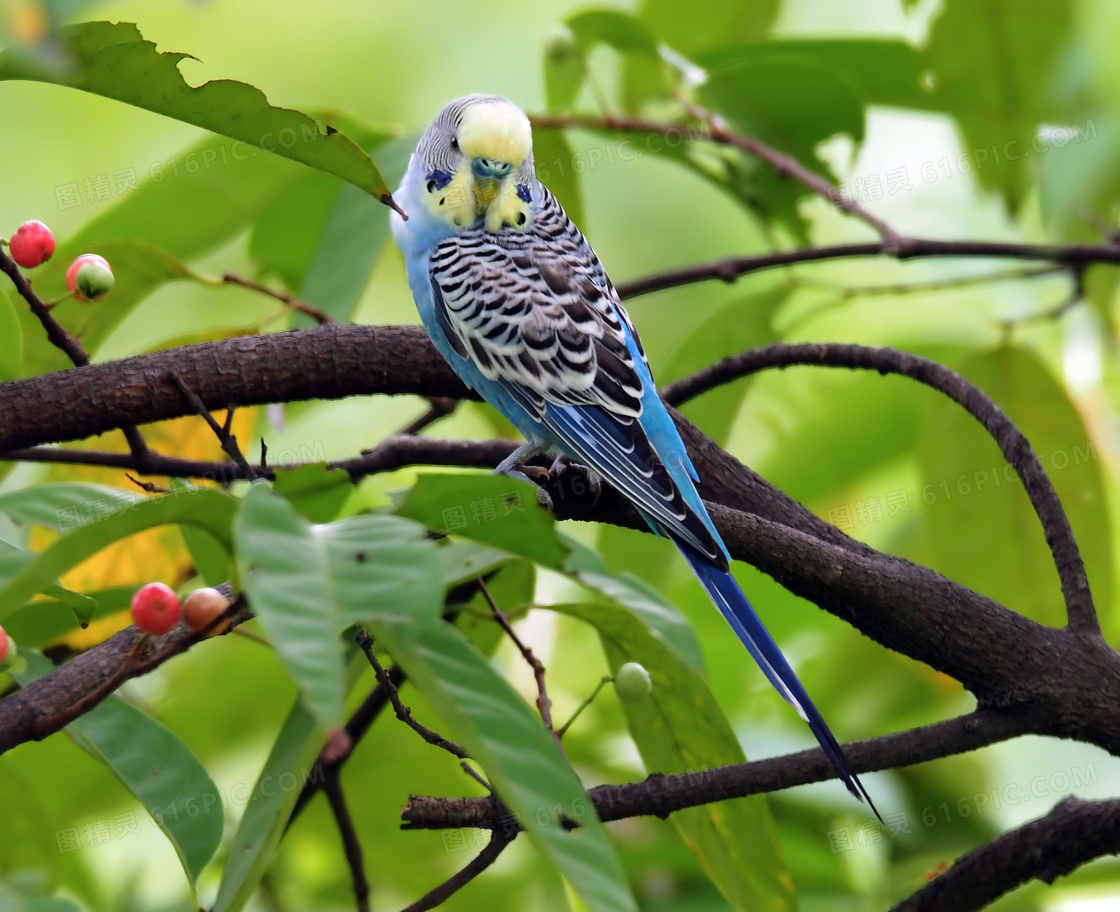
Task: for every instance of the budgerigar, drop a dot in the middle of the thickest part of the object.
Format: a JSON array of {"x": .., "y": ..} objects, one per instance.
[{"x": 519, "y": 305}]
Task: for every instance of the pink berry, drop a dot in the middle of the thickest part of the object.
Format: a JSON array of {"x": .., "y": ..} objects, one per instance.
[
  {"x": 32, "y": 244},
  {"x": 84, "y": 290},
  {"x": 155, "y": 608},
  {"x": 202, "y": 607},
  {"x": 3, "y": 645}
]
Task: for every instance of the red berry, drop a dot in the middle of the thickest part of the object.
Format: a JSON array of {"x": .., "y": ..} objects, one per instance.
[
  {"x": 32, "y": 244},
  {"x": 202, "y": 606},
  {"x": 3, "y": 645},
  {"x": 155, "y": 608},
  {"x": 84, "y": 290}
]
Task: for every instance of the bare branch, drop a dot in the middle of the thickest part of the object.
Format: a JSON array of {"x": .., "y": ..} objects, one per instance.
[
  {"x": 365, "y": 643},
  {"x": 544, "y": 704},
  {"x": 1073, "y": 833},
  {"x": 659, "y": 795},
  {"x": 1015, "y": 447},
  {"x": 282, "y": 296},
  {"x": 456, "y": 882},
  {"x": 351, "y": 845}
]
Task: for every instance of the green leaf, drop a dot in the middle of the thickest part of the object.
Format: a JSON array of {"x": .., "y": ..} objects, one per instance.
[
  {"x": 193, "y": 201},
  {"x": 680, "y": 728},
  {"x": 156, "y": 767},
  {"x": 981, "y": 528},
  {"x": 266, "y": 816},
  {"x": 789, "y": 101},
  {"x": 491, "y": 509},
  {"x": 884, "y": 72},
  {"x": 206, "y": 508},
  {"x": 324, "y": 238},
  {"x": 114, "y": 60},
  {"x": 307, "y": 583},
  {"x": 44, "y": 621},
  {"x": 701, "y": 24},
  {"x": 466, "y": 560},
  {"x": 317, "y": 492},
  {"x": 12, "y": 902},
  {"x": 994, "y": 70},
  {"x": 520, "y": 758},
  {"x": 565, "y": 64},
  {"x": 61, "y": 507},
  {"x": 554, "y": 161}
]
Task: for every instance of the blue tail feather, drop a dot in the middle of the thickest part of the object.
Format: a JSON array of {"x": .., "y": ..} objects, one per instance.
[{"x": 733, "y": 605}]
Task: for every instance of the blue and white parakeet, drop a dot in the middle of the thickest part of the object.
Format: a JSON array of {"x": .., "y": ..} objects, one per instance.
[{"x": 517, "y": 302}]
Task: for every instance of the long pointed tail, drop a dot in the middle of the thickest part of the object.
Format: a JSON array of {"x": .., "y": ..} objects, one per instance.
[{"x": 733, "y": 605}]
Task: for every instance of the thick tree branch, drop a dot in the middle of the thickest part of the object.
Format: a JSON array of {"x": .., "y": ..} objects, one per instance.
[
  {"x": 1073, "y": 833},
  {"x": 1014, "y": 446},
  {"x": 659, "y": 795}
]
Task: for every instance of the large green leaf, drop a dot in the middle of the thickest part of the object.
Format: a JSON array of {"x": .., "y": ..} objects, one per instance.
[
  {"x": 114, "y": 60},
  {"x": 193, "y": 201},
  {"x": 266, "y": 816},
  {"x": 994, "y": 70},
  {"x": 206, "y": 508},
  {"x": 488, "y": 508},
  {"x": 308, "y": 582},
  {"x": 64, "y": 506},
  {"x": 679, "y": 729},
  {"x": 155, "y": 766},
  {"x": 520, "y": 758},
  {"x": 981, "y": 527},
  {"x": 45, "y": 620}
]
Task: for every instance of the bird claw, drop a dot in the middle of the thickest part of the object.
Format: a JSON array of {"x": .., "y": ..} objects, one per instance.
[{"x": 594, "y": 482}]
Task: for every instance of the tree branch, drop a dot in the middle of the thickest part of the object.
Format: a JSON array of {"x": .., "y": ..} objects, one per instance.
[
  {"x": 457, "y": 881},
  {"x": 351, "y": 845},
  {"x": 1073, "y": 833},
  {"x": 1014, "y": 446},
  {"x": 719, "y": 133},
  {"x": 658, "y": 795},
  {"x": 731, "y": 268}
]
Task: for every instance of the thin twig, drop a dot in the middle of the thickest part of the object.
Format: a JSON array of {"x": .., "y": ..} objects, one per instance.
[
  {"x": 227, "y": 440},
  {"x": 457, "y": 881},
  {"x": 719, "y": 133},
  {"x": 282, "y": 296},
  {"x": 544, "y": 704},
  {"x": 603, "y": 682},
  {"x": 901, "y": 288},
  {"x": 365, "y": 642},
  {"x": 351, "y": 845},
  {"x": 440, "y": 407}
]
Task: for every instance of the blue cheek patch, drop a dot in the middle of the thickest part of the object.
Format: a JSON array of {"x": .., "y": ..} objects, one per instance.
[
  {"x": 523, "y": 192},
  {"x": 439, "y": 180}
]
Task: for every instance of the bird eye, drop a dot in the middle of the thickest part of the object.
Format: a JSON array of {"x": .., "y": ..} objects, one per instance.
[{"x": 454, "y": 143}]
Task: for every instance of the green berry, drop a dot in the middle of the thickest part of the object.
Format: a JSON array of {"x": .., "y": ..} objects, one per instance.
[
  {"x": 632, "y": 683},
  {"x": 94, "y": 280}
]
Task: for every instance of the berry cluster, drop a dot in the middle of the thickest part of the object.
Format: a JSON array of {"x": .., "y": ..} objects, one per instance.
[
  {"x": 156, "y": 608},
  {"x": 89, "y": 276}
]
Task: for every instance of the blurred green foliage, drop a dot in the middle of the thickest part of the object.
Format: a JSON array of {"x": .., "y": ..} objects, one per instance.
[{"x": 947, "y": 118}]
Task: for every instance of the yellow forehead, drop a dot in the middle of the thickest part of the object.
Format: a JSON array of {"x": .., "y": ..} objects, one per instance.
[{"x": 497, "y": 130}]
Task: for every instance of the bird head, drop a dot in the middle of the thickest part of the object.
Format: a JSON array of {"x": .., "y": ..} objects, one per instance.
[{"x": 476, "y": 160}]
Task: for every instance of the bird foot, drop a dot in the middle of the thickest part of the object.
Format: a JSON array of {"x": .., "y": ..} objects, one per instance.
[{"x": 591, "y": 478}]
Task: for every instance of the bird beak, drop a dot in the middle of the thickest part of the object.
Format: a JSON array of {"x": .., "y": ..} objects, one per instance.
[{"x": 489, "y": 175}]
